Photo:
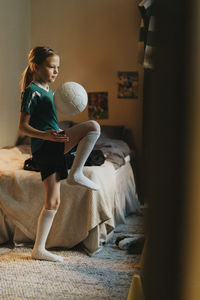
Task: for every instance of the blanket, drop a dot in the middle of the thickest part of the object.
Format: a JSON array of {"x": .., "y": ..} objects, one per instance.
[{"x": 114, "y": 150}]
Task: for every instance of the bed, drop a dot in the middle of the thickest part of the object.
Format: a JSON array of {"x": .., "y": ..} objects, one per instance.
[{"x": 85, "y": 217}]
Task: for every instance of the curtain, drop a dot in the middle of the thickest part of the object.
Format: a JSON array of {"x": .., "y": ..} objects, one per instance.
[{"x": 147, "y": 31}]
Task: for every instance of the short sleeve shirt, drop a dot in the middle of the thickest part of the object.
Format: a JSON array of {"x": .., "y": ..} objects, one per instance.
[{"x": 39, "y": 104}]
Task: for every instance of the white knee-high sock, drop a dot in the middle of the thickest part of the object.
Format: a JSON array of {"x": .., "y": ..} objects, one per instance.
[
  {"x": 85, "y": 146},
  {"x": 45, "y": 221}
]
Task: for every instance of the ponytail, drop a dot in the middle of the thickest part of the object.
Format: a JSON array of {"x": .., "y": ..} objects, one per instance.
[
  {"x": 36, "y": 56},
  {"x": 27, "y": 77}
]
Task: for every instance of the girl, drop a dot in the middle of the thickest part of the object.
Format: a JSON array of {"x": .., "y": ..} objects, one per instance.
[{"x": 38, "y": 119}]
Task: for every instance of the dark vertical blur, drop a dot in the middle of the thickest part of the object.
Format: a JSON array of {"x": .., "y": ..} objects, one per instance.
[{"x": 165, "y": 143}]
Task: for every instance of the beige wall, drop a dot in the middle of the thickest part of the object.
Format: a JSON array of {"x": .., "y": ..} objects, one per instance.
[
  {"x": 95, "y": 39},
  {"x": 15, "y": 35}
]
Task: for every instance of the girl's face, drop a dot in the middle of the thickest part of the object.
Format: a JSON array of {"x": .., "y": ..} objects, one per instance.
[{"x": 48, "y": 71}]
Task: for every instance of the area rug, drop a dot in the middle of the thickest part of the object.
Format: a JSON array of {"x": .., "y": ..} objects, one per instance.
[{"x": 105, "y": 275}]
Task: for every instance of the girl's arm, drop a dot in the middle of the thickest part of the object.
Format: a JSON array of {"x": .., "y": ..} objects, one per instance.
[{"x": 28, "y": 130}]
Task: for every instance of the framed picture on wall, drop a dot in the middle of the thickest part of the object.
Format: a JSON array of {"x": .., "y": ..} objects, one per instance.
[
  {"x": 98, "y": 105},
  {"x": 128, "y": 85}
]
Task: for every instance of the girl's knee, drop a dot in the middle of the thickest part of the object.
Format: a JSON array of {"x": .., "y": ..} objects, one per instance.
[
  {"x": 52, "y": 204},
  {"x": 52, "y": 192},
  {"x": 94, "y": 126}
]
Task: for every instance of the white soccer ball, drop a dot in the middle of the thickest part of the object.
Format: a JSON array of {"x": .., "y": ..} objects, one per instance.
[{"x": 70, "y": 98}]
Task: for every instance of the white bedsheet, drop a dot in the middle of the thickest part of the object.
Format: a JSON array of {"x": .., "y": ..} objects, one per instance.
[{"x": 83, "y": 216}]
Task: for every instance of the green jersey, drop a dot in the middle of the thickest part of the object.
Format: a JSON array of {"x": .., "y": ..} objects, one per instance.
[{"x": 39, "y": 104}]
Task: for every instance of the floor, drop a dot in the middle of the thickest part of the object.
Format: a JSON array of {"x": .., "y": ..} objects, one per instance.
[{"x": 105, "y": 275}]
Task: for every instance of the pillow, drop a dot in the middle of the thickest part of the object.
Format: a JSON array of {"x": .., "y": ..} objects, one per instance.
[
  {"x": 109, "y": 131},
  {"x": 112, "y": 132}
]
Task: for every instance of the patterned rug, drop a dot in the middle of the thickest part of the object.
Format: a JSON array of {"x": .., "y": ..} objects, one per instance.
[{"x": 105, "y": 275}]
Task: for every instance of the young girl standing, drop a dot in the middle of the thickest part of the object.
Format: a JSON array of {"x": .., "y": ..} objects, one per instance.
[{"x": 38, "y": 119}]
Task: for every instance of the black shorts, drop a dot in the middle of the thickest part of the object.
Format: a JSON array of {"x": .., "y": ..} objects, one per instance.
[{"x": 51, "y": 159}]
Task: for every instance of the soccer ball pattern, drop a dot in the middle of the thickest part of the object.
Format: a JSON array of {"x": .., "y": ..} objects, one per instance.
[{"x": 70, "y": 98}]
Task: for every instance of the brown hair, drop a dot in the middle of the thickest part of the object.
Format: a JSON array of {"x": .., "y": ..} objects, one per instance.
[{"x": 36, "y": 56}]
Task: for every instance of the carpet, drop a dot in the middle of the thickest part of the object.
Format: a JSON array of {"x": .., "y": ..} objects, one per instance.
[{"x": 105, "y": 275}]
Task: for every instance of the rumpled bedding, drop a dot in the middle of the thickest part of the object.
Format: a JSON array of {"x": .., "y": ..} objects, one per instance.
[
  {"x": 115, "y": 151},
  {"x": 84, "y": 216}
]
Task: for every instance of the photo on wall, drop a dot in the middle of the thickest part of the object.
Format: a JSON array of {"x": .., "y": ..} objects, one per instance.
[
  {"x": 98, "y": 105},
  {"x": 128, "y": 85}
]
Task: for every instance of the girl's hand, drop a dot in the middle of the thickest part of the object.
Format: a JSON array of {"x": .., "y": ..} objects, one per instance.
[{"x": 52, "y": 135}]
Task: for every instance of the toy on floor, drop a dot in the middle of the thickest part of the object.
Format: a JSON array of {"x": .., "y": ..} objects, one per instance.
[{"x": 134, "y": 243}]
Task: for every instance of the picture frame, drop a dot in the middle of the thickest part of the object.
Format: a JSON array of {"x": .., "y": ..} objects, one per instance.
[
  {"x": 127, "y": 85},
  {"x": 98, "y": 105}
]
